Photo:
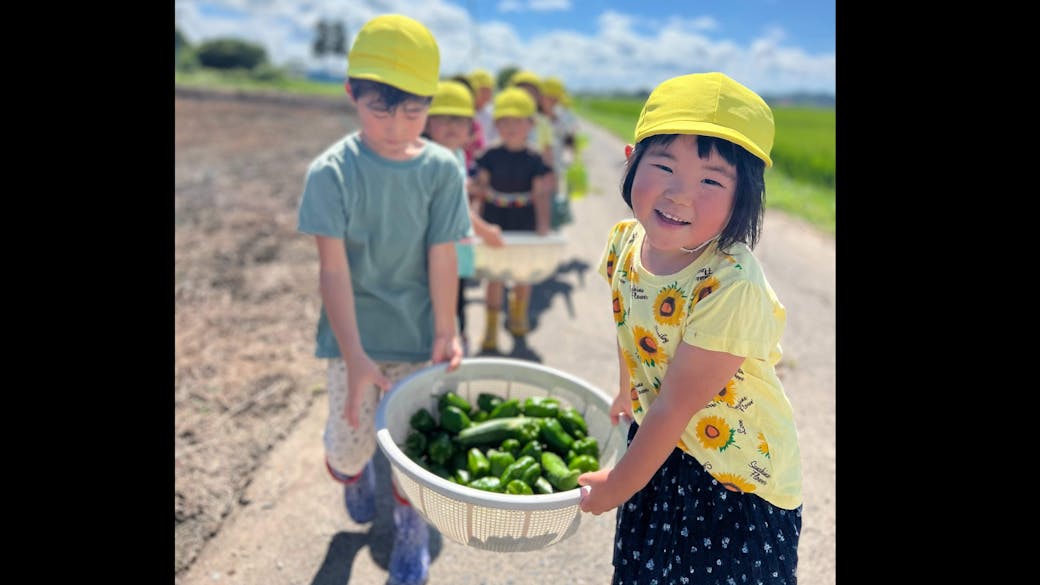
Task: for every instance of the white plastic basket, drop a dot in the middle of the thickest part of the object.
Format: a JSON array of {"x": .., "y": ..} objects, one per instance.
[
  {"x": 481, "y": 519},
  {"x": 526, "y": 257}
]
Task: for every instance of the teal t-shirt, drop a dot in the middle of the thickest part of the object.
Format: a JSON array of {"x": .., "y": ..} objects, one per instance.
[{"x": 388, "y": 214}]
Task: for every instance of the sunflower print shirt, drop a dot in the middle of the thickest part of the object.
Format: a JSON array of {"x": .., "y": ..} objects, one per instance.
[{"x": 745, "y": 436}]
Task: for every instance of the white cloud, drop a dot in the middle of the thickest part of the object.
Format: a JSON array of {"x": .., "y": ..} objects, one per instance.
[{"x": 624, "y": 52}]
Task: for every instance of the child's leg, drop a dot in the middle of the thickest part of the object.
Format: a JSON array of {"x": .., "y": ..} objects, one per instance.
[
  {"x": 348, "y": 452},
  {"x": 494, "y": 306},
  {"x": 519, "y": 302}
]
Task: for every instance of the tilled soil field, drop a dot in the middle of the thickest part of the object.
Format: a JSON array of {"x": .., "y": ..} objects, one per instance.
[{"x": 246, "y": 295}]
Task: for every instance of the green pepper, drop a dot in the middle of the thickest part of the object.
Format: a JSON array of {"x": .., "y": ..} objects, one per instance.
[
  {"x": 415, "y": 445},
  {"x": 516, "y": 470},
  {"x": 499, "y": 461},
  {"x": 583, "y": 463},
  {"x": 479, "y": 416},
  {"x": 440, "y": 470},
  {"x": 461, "y": 477},
  {"x": 487, "y": 402},
  {"x": 440, "y": 448},
  {"x": 459, "y": 459},
  {"x": 450, "y": 398},
  {"x": 453, "y": 419},
  {"x": 556, "y": 471},
  {"x": 531, "y": 473},
  {"x": 518, "y": 487},
  {"x": 477, "y": 463},
  {"x": 555, "y": 437},
  {"x": 423, "y": 421},
  {"x": 542, "y": 486},
  {"x": 532, "y": 448},
  {"x": 541, "y": 406},
  {"x": 511, "y": 446},
  {"x": 573, "y": 422},
  {"x": 488, "y": 483},
  {"x": 506, "y": 409},
  {"x": 587, "y": 446}
]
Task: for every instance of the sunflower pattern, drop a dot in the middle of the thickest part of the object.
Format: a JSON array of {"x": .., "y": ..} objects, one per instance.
[
  {"x": 715, "y": 433},
  {"x": 727, "y": 394},
  {"x": 668, "y": 307},
  {"x": 763, "y": 445},
  {"x": 652, "y": 315},
  {"x": 735, "y": 482},
  {"x": 646, "y": 347},
  {"x": 619, "y": 308}
]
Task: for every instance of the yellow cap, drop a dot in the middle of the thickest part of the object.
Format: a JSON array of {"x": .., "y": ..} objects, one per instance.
[
  {"x": 553, "y": 87},
  {"x": 452, "y": 99},
  {"x": 481, "y": 79},
  {"x": 524, "y": 76},
  {"x": 398, "y": 51},
  {"x": 709, "y": 104},
  {"x": 513, "y": 102}
]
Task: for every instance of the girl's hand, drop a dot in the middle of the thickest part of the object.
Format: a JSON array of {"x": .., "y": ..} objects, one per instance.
[
  {"x": 622, "y": 406},
  {"x": 447, "y": 348},
  {"x": 493, "y": 236},
  {"x": 598, "y": 497},
  {"x": 362, "y": 374}
]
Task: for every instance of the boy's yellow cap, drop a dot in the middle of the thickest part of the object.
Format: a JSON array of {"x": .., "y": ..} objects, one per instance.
[
  {"x": 524, "y": 76},
  {"x": 513, "y": 102},
  {"x": 396, "y": 50},
  {"x": 452, "y": 99},
  {"x": 709, "y": 104},
  {"x": 481, "y": 79},
  {"x": 553, "y": 87}
]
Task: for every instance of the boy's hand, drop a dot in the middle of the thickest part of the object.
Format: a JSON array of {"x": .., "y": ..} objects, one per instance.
[
  {"x": 362, "y": 374},
  {"x": 493, "y": 236},
  {"x": 447, "y": 348}
]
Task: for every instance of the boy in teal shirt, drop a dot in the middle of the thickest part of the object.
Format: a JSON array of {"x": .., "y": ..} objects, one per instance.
[{"x": 386, "y": 207}]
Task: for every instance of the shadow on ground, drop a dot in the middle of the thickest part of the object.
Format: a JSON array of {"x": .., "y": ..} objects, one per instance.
[
  {"x": 378, "y": 536},
  {"x": 542, "y": 295}
]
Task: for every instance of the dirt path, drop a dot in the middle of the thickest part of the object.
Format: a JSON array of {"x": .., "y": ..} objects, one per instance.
[{"x": 254, "y": 504}]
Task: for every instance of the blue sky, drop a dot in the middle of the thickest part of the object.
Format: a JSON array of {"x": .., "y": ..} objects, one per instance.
[{"x": 772, "y": 46}]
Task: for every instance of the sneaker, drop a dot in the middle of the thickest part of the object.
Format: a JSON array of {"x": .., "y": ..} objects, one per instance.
[
  {"x": 410, "y": 558},
  {"x": 360, "y": 495}
]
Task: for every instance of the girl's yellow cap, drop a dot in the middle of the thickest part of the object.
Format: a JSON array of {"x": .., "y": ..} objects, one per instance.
[
  {"x": 513, "y": 102},
  {"x": 398, "y": 51},
  {"x": 452, "y": 99},
  {"x": 709, "y": 104},
  {"x": 480, "y": 79}
]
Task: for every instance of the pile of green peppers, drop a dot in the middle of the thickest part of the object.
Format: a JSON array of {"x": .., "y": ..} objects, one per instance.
[{"x": 531, "y": 446}]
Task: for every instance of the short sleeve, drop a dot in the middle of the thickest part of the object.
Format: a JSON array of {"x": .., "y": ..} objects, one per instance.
[
  {"x": 742, "y": 319},
  {"x": 322, "y": 211}
]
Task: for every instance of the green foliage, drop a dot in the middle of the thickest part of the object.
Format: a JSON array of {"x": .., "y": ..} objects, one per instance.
[
  {"x": 804, "y": 147},
  {"x": 230, "y": 53},
  {"x": 504, "y": 75}
]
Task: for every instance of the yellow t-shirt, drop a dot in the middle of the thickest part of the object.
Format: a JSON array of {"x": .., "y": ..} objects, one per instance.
[{"x": 746, "y": 436}]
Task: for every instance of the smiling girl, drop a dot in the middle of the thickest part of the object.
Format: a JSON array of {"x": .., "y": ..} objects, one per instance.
[{"x": 710, "y": 487}]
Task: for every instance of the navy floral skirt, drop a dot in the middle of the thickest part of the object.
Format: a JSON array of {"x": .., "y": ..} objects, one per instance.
[{"x": 685, "y": 528}]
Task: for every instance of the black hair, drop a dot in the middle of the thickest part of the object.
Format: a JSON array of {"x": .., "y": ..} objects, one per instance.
[
  {"x": 749, "y": 201},
  {"x": 390, "y": 96},
  {"x": 464, "y": 81}
]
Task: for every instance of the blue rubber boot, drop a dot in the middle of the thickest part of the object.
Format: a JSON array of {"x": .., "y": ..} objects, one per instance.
[
  {"x": 359, "y": 493},
  {"x": 410, "y": 558}
]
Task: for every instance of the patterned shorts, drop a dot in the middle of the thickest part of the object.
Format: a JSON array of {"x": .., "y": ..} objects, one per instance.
[
  {"x": 684, "y": 527},
  {"x": 348, "y": 449}
]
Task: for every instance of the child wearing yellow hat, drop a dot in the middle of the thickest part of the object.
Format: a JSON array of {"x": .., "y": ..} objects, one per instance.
[
  {"x": 710, "y": 485},
  {"x": 483, "y": 93},
  {"x": 450, "y": 114},
  {"x": 354, "y": 197},
  {"x": 516, "y": 183}
]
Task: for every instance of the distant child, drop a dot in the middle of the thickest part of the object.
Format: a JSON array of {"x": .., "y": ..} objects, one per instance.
[
  {"x": 483, "y": 93},
  {"x": 516, "y": 184},
  {"x": 386, "y": 208},
  {"x": 710, "y": 487},
  {"x": 447, "y": 124},
  {"x": 543, "y": 140}
]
